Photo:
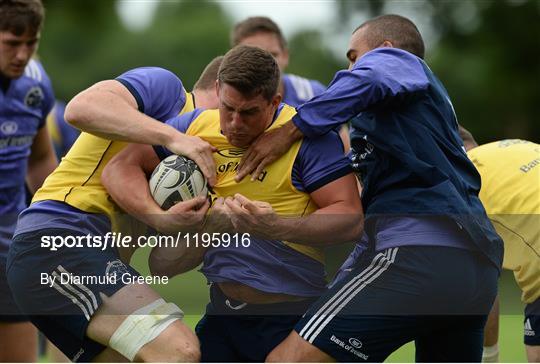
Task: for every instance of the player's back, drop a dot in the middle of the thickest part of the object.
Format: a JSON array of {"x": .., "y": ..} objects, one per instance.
[{"x": 510, "y": 192}]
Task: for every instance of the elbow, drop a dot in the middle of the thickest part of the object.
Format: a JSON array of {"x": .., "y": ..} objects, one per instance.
[
  {"x": 107, "y": 175},
  {"x": 357, "y": 231},
  {"x": 75, "y": 113},
  {"x": 354, "y": 233},
  {"x": 157, "y": 270},
  {"x": 158, "y": 267}
]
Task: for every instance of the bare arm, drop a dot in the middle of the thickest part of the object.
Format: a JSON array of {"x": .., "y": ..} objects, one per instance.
[
  {"x": 125, "y": 178},
  {"x": 108, "y": 110},
  {"x": 339, "y": 218},
  {"x": 171, "y": 261},
  {"x": 42, "y": 160}
]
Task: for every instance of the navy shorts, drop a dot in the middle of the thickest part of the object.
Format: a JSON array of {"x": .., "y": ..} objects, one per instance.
[
  {"x": 437, "y": 296},
  {"x": 532, "y": 324},
  {"x": 62, "y": 308},
  {"x": 9, "y": 311},
  {"x": 232, "y": 331}
]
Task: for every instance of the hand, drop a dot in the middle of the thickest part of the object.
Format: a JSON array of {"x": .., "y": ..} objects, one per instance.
[
  {"x": 186, "y": 216},
  {"x": 219, "y": 218},
  {"x": 198, "y": 150},
  {"x": 255, "y": 217},
  {"x": 266, "y": 149}
]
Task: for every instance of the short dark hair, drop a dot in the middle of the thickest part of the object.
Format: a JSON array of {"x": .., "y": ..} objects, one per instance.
[
  {"x": 19, "y": 16},
  {"x": 254, "y": 25},
  {"x": 250, "y": 70},
  {"x": 208, "y": 77},
  {"x": 394, "y": 28}
]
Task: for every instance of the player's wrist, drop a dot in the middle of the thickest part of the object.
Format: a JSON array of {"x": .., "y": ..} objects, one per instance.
[
  {"x": 292, "y": 133},
  {"x": 170, "y": 137}
]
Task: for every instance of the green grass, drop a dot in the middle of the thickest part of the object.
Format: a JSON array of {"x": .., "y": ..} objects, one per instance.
[{"x": 190, "y": 292}]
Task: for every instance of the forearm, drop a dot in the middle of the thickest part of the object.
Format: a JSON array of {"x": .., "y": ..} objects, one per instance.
[
  {"x": 327, "y": 226},
  {"x": 123, "y": 182},
  {"x": 39, "y": 169}
]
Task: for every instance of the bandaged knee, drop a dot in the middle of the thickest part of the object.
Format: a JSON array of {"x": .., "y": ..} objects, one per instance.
[
  {"x": 143, "y": 326},
  {"x": 490, "y": 354}
]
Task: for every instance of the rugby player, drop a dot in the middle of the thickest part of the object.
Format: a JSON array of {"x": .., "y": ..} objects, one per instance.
[
  {"x": 26, "y": 154},
  {"x": 260, "y": 288},
  {"x": 263, "y": 32},
  {"x": 430, "y": 270},
  {"x": 510, "y": 192},
  {"x": 105, "y": 319}
]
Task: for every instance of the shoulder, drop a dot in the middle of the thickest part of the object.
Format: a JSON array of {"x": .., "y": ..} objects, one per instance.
[
  {"x": 304, "y": 88},
  {"x": 387, "y": 54},
  {"x": 149, "y": 72},
  {"x": 35, "y": 87},
  {"x": 185, "y": 121}
]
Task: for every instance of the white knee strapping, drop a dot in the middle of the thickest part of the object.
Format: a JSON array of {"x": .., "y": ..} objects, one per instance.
[
  {"x": 490, "y": 354},
  {"x": 143, "y": 326}
]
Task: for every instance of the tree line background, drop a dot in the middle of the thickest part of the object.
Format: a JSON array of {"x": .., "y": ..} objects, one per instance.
[{"x": 487, "y": 53}]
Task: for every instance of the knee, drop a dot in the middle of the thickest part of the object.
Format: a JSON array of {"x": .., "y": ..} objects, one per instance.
[
  {"x": 184, "y": 352},
  {"x": 177, "y": 349},
  {"x": 533, "y": 354},
  {"x": 274, "y": 357}
]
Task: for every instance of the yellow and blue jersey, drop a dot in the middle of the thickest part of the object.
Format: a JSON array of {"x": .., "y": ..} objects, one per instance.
[
  {"x": 510, "y": 192},
  {"x": 77, "y": 180},
  {"x": 62, "y": 134},
  {"x": 269, "y": 265}
]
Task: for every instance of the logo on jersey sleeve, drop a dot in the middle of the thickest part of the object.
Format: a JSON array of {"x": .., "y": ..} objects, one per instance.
[
  {"x": 9, "y": 127},
  {"x": 34, "y": 97}
]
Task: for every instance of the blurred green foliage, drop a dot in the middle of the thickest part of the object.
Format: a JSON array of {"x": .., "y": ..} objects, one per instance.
[
  {"x": 487, "y": 53},
  {"x": 488, "y": 57}
]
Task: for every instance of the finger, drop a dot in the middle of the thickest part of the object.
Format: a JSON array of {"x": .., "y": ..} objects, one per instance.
[
  {"x": 203, "y": 208},
  {"x": 260, "y": 168},
  {"x": 248, "y": 167},
  {"x": 188, "y": 205},
  {"x": 206, "y": 163},
  {"x": 262, "y": 204},
  {"x": 246, "y": 203},
  {"x": 247, "y": 155},
  {"x": 234, "y": 206}
]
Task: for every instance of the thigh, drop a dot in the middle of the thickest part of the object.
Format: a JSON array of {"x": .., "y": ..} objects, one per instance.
[
  {"x": 360, "y": 318},
  {"x": 214, "y": 339},
  {"x": 9, "y": 311},
  {"x": 61, "y": 291},
  {"x": 19, "y": 342},
  {"x": 459, "y": 339}
]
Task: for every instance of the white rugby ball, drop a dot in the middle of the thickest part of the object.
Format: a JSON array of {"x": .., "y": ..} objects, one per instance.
[{"x": 176, "y": 179}]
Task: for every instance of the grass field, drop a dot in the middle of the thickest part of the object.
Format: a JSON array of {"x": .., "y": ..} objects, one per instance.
[{"x": 190, "y": 292}]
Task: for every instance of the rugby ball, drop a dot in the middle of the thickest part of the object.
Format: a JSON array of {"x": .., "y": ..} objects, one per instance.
[{"x": 176, "y": 179}]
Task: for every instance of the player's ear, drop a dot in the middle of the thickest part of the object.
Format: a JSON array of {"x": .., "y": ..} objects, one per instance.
[
  {"x": 285, "y": 59},
  {"x": 387, "y": 44},
  {"x": 217, "y": 88},
  {"x": 276, "y": 100}
]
